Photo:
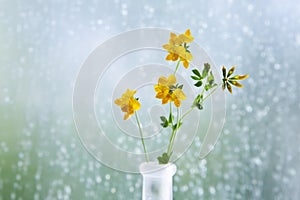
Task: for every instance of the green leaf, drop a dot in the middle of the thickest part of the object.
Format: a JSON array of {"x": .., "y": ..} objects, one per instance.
[
  {"x": 205, "y": 69},
  {"x": 208, "y": 87},
  {"x": 163, "y": 159},
  {"x": 177, "y": 127},
  {"x": 165, "y": 122},
  {"x": 211, "y": 78},
  {"x": 198, "y": 98},
  {"x": 196, "y": 78},
  {"x": 198, "y": 84},
  {"x": 199, "y": 106},
  {"x": 198, "y": 102},
  {"x": 196, "y": 72},
  {"x": 172, "y": 87},
  {"x": 163, "y": 118},
  {"x": 180, "y": 86},
  {"x": 210, "y": 82}
]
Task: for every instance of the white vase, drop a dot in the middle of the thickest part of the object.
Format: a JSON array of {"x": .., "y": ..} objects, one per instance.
[{"x": 157, "y": 180}]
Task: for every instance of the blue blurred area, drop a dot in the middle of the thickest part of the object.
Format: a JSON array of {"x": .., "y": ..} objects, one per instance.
[{"x": 44, "y": 43}]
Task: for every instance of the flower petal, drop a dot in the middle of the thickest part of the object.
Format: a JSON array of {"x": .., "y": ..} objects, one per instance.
[
  {"x": 171, "y": 80},
  {"x": 224, "y": 85},
  {"x": 163, "y": 80},
  {"x": 224, "y": 71},
  {"x": 229, "y": 88},
  {"x": 240, "y": 77},
  {"x": 177, "y": 103},
  {"x": 169, "y": 56},
  {"x": 179, "y": 94},
  {"x": 236, "y": 84},
  {"x": 231, "y": 71},
  {"x": 188, "y": 32},
  {"x": 135, "y": 104},
  {"x": 118, "y": 101},
  {"x": 186, "y": 64},
  {"x": 126, "y": 116}
]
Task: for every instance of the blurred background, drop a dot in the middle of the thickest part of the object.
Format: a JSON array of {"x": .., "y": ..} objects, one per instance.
[{"x": 44, "y": 43}]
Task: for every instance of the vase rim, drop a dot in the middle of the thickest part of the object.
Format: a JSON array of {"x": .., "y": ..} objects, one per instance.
[{"x": 155, "y": 169}]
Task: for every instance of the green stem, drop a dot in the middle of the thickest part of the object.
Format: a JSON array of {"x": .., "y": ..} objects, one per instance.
[
  {"x": 192, "y": 108},
  {"x": 177, "y": 66},
  {"x": 170, "y": 115},
  {"x": 176, "y": 128},
  {"x": 178, "y": 117},
  {"x": 141, "y": 134},
  {"x": 187, "y": 112},
  {"x": 173, "y": 135},
  {"x": 170, "y": 143},
  {"x": 211, "y": 92}
]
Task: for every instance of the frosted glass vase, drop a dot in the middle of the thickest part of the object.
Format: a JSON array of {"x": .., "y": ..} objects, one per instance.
[{"x": 157, "y": 180}]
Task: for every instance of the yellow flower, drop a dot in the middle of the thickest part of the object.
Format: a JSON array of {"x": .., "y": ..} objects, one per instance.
[
  {"x": 171, "y": 80},
  {"x": 182, "y": 38},
  {"x": 177, "y": 96},
  {"x": 172, "y": 56},
  {"x": 174, "y": 39},
  {"x": 168, "y": 92},
  {"x": 178, "y": 49},
  {"x": 178, "y": 52},
  {"x": 162, "y": 92},
  {"x": 228, "y": 80},
  {"x": 186, "y": 61},
  {"x": 163, "y": 88},
  {"x": 128, "y": 103}
]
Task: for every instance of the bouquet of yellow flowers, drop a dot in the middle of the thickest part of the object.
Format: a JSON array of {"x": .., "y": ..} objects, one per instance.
[{"x": 169, "y": 91}]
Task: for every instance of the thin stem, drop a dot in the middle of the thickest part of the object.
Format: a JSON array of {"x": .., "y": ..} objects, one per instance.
[
  {"x": 211, "y": 92},
  {"x": 173, "y": 129},
  {"x": 188, "y": 112},
  {"x": 169, "y": 146},
  {"x": 176, "y": 128},
  {"x": 171, "y": 112},
  {"x": 203, "y": 90},
  {"x": 173, "y": 135},
  {"x": 192, "y": 108},
  {"x": 178, "y": 117},
  {"x": 141, "y": 134},
  {"x": 170, "y": 143},
  {"x": 177, "y": 66}
]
